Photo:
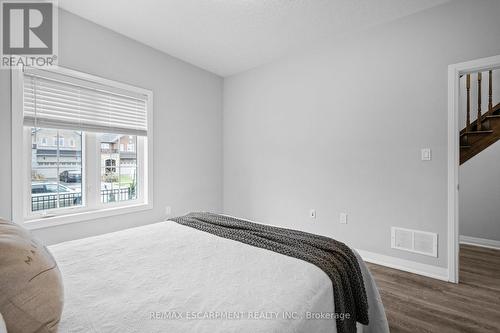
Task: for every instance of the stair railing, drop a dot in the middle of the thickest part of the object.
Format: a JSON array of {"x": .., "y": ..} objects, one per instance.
[
  {"x": 467, "y": 126},
  {"x": 483, "y": 131},
  {"x": 479, "y": 116},
  {"x": 490, "y": 97},
  {"x": 478, "y": 123}
]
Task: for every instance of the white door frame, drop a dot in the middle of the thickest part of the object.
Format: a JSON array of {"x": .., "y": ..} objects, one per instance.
[{"x": 454, "y": 73}]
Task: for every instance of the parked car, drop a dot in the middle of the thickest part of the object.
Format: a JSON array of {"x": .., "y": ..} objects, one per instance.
[
  {"x": 71, "y": 176},
  {"x": 44, "y": 196}
]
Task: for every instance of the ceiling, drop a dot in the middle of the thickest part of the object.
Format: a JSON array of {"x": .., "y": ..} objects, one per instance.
[{"x": 230, "y": 36}]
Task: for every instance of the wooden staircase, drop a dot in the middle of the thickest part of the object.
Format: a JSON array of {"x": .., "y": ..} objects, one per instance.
[{"x": 485, "y": 130}]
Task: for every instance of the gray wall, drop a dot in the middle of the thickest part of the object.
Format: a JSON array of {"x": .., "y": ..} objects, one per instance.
[
  {"x": 340, "y": 127},
  {"x": 480, "y": 195},
  {"x": 187, "y": 124}
]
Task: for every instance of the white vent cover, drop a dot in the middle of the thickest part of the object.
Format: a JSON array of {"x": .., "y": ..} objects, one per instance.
[{"x": 422, "y": 242}]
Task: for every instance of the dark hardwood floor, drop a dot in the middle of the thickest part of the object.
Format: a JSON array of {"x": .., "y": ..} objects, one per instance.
[{"x": 414, "y": 303}]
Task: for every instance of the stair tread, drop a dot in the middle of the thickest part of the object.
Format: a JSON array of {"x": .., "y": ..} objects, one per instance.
[
  {"x": 474, "y": 142},
  {"x": 476, "y": 132}
]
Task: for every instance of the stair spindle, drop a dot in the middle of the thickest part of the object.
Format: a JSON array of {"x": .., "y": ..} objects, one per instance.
[
  {"x": 479, "y": 79},
  {"x": 490, "y": 98},
  {"x": 467, "y": 129}
]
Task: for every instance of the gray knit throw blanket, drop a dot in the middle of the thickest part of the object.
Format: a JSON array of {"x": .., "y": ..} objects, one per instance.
[{"x": 335, "y": 258}]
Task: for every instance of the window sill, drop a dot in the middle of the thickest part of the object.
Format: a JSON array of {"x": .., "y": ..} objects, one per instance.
[{"x": 46, "y": 222}]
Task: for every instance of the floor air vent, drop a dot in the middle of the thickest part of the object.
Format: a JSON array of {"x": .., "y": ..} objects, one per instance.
[{"x": 416, "y": 241}]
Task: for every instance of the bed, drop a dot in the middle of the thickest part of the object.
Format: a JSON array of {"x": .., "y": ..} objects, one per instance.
[{"x": 167, "y": 277}]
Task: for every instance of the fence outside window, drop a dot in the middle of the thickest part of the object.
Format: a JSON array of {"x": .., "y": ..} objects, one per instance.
[{"x": 49, "y": 201}]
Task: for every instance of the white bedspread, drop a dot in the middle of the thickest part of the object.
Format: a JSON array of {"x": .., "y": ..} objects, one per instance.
[{"x": 166, "y": 277}]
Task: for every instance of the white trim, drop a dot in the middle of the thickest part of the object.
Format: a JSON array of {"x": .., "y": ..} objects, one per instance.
[
  {"x": 435, "y": 272},
  {"x": 482, "y": 242},
  {"x": 453, "y": 163},
  {"x": 84, "y": 216},
  {"x": 18, "y": 168},
  {"x": 454, "y": 72}
]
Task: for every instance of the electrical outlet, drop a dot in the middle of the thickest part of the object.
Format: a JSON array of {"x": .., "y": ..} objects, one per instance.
[
  {"x": 343, "y": 218},
  {"x": 312, "y": 213}
]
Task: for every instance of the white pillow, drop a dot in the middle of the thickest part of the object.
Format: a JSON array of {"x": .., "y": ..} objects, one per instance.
[
  {"x": 3, "y": 329},
  {"x": 31, "y": 290}
]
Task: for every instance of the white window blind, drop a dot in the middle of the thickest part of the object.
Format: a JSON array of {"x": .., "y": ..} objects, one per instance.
[{"x": 54, "y": 100}]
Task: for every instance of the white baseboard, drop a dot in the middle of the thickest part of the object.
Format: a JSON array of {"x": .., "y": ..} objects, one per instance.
[
  {"x": 489, "y": 243},
  {"x": 435, "y": 272}
]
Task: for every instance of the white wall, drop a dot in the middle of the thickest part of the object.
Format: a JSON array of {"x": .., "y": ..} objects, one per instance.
[
  {"x": 480, "y": 195},
  {"x": 187, "y": 124},
  {"x": 340, "y": 127}
]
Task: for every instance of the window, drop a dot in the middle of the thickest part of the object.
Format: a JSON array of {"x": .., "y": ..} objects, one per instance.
[
  {"x": 52, "y": 166},
  {"x": 119, "y": 170},
  {"x": 104, "y": 168},
  {"x": 109, "y": 166},
  {"x": 58, "y": 141}
]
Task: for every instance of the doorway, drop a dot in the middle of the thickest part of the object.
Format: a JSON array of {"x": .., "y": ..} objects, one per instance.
[{"x": 461, "y": 140}]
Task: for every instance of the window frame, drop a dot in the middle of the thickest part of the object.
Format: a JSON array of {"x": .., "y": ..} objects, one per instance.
[
  {"x": 28, "y": 214},
  {"x": 94, "y": 209}
]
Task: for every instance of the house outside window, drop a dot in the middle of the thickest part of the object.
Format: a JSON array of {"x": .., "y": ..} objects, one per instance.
[{"x": 58, "y": 141}]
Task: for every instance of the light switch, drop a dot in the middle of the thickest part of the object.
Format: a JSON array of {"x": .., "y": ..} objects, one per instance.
[
  {"x": 426, "y": 154},
  {"x": 312, "y": 213},
  {"x": 343, "y": 218}
]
